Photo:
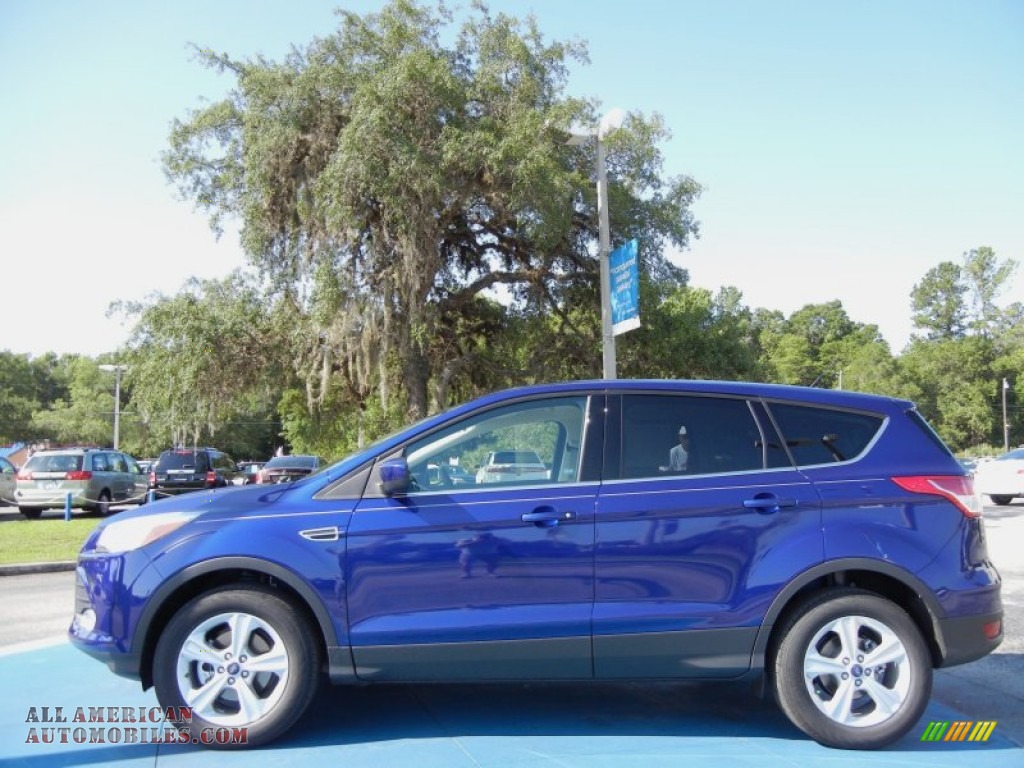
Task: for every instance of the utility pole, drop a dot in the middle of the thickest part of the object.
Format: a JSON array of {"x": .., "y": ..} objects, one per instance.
[{"x": 1006, "y": 421}]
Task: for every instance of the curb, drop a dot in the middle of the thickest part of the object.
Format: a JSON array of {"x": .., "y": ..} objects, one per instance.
[{"x": 19, "y": 569}]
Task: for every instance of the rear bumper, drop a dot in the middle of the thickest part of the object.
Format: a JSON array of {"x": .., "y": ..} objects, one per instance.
[
  {"x": 50, "y": 499},
  {"x": 967, "y": 638}
]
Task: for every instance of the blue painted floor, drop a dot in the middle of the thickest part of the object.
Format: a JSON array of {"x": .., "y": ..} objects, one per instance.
[{"x": 451, "y": 726}]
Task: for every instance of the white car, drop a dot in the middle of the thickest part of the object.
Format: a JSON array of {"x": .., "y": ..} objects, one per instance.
[
  {"x": 511, "y": 466},
  {"x": 1002, "y": 480}
]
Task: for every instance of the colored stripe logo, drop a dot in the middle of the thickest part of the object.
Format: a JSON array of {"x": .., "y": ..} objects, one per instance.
[{"x": 959, "y": 730}]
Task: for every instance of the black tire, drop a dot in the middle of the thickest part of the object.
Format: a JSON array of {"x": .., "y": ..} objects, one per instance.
[
  {"x": 102, "y": 505},
  {"x": 30, "y": 514},
  {"x": 874, "y": 706},
  {"x": 1001, "y": 501},
  {"x": 272, "y": 620}
]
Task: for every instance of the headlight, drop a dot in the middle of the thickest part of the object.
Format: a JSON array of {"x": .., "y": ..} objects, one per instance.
[{"x": 126, "y": 535}]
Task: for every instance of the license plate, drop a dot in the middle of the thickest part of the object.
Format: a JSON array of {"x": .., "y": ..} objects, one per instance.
[{"x": 48, "y": 485}]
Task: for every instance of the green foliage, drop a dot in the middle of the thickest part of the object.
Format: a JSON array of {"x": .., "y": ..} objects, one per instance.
[
  {"x": 26, "y": 386},
  {"x": 388, "y": 185},
  {"x": 87, "y": 416},
  {"x": 201, "y": 360}
]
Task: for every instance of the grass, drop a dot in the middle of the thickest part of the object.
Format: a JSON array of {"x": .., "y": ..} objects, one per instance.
[{"x": 47, "y": 540}]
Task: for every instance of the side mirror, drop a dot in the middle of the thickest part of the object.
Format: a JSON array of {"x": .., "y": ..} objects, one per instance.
[{"x": 394, "y": 476}]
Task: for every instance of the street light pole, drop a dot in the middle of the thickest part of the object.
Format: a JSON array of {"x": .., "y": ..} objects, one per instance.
[
  {"x": 608, "y": 365},
  {"x": 577, "y": 135},
  {"x": 117, "y": 371}
]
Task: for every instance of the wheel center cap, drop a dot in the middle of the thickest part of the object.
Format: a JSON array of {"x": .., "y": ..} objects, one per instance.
[
  {"x": 857, "y": 670},
  {"x": 233, "y": 668}
]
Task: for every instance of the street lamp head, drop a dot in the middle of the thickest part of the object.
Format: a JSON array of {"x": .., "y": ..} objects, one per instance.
[
  {"x": 611, "y": 122},
  {"x": 580, "y": 133},
  {"x": 113, "y": 368}
]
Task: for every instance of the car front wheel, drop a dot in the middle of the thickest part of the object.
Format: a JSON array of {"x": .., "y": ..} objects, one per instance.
[
  {"x": 238, "y": 657},
  {"x": 1001, "y": 501},
  {"x": 852, "y": 670}
]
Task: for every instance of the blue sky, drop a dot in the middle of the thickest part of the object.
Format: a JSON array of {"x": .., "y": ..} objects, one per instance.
[{"x": 845, "y": 147}]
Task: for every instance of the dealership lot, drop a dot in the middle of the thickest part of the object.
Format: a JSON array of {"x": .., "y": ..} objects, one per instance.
[{"x": 515, "y": 725}]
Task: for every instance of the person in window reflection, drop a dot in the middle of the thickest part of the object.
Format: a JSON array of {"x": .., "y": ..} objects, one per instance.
[{"x": 680, "y": 454}]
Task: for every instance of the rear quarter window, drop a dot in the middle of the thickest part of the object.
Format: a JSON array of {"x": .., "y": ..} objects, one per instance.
[{"x": 816, "y": 435}]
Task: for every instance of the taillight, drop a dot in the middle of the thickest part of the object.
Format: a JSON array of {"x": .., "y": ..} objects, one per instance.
[
  {"x": 80, "y": 474},
  {"x": 958, "y": 489},
  {"x": 211, "y": 478},
  {"x": 260, "y": 478},
  {"x": 23, "y": 475}
]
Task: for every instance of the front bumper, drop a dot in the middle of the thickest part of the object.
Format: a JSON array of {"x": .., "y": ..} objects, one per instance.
[{"x": 110, "y": 591}]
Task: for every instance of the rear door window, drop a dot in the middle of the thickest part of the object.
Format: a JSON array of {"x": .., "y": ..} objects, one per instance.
[
  {"x": 816, "y": 435},
  {"x": 685, "y": 434}
]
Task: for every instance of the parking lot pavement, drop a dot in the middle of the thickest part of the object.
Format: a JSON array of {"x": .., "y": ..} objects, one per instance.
[{"x": 525, "y": 726}]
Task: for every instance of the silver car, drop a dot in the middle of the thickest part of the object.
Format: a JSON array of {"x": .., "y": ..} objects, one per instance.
[
  {"x": 7, "y": 481},
  {"x": 93, "y": 478}
]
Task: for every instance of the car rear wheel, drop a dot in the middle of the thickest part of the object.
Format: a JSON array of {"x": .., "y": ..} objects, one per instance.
[
  {"x": 29, "y": 513},
  {"x": 1001, "y": 501},
  {"x": 852, "y": 670},
  {"x": 238, "y": 657},
  {"x": 103, "y": 504}
]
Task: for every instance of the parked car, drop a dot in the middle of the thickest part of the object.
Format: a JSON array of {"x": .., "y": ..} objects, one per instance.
[
  {"x": 1002, "y": 479},
  {"x": 247, "y": 472},
  {"x": 191, "y": 469},
  {"x": 512, "y": 466},
  {"x": 823, "y": 543},
  {"x": 284, "y": 469},
  {"x": 95, "y": 478},
  {"x": 8, "y": 481}
]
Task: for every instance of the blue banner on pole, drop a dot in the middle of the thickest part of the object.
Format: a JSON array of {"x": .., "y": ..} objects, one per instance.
[{"x": 625, "y": 288}]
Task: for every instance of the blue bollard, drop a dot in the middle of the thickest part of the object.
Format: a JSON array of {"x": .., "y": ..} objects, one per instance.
[
  {"x": 152, "y": 496},
  {"x": 67, "y": 507}
]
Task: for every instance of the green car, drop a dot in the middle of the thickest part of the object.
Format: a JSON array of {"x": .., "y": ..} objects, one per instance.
[{"x": 95, "y": 478}]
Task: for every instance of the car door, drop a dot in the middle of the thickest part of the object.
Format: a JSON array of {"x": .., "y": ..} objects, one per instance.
[
  {"x": 119, "y": 482},
  {"x": 460, "y": 580},
  {"x": 688, "y": 560},
  {"x": 136, "y": 481}
]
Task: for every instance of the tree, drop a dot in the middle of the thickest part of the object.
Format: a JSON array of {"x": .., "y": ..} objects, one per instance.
[
  {"x": 985, "y": 277},
  {"x": 389, "y": 186},
  {"x": 87, "y": 415},
  {"x": 954, "y": 386},
  {"x": 27, "y": 385},
  {"x": 953, "y": 300},
  {"x": 939, "y": 302},
  {"x": 202, "y": 359},
  {"x": 689, "y": 333},
  {"x": 816, "y": 344}
]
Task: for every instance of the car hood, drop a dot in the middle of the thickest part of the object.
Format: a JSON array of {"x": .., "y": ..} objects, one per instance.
[{"x": 230, "y": 501}]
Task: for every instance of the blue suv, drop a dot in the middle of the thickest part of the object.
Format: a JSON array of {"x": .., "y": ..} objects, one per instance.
[{"x": 824, "y": 543}]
